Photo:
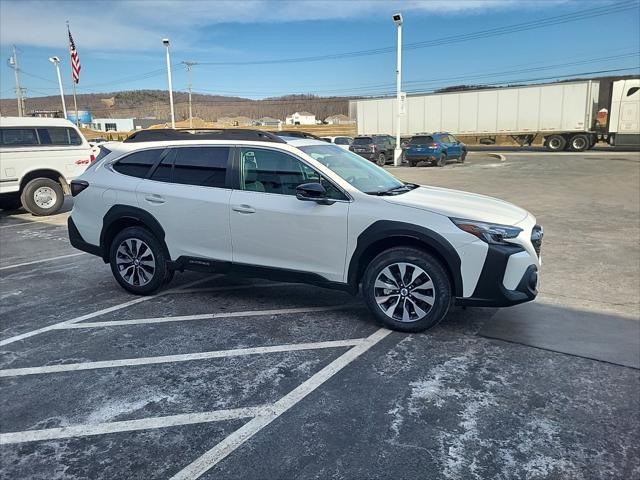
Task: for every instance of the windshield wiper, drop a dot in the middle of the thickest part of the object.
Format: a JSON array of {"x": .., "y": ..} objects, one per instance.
[{"x": 407, "y": 187}]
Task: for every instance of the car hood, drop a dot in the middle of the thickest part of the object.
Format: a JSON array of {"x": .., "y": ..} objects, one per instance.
[{"x": 455, "y": 203}]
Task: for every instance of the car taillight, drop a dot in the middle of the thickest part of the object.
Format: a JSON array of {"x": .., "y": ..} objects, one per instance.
[
  {"x": 434, "y": 145},
  {"x": 92, "y": 158},
  {"x": 373, "y": 148},
  {"x": 78, "y": 186}
]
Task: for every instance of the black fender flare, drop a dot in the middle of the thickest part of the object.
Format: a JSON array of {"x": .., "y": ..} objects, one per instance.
[
  {"x": 394, "y": 232},
  {"x": 123, "y": 212}
]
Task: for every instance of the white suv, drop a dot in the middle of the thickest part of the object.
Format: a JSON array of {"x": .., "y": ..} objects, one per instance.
[
  {"x": 38, "y": 159},
  {"x": 300, "y": 210}
]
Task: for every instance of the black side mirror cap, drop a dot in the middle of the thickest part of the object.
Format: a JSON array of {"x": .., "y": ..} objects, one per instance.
[{"x": 313, "y": 192}]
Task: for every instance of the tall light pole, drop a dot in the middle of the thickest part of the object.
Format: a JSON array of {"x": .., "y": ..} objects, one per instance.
[
  {"x": 56, "y": 62},
  {"x": 189, "y": 66},
  {"x": 397, "y": 157},
  {"x": 13, "y": 63},
  {"x": 165, "y": 42}
]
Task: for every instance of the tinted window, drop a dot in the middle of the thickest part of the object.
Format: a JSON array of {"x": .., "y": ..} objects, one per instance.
[
  {"x": 205, "y": 166},
  {"x": 104, "y": 151},
  {"x": 59, "y": 136},
  {"x": 632, "y": 90},
  {"x": 343, "y": 141},
  {"x": 138, "y": 164},
  {"x": 362, "y": 141},
  {"x": 162, "y": 173},
  {"x": 270, "y": 171},
  {"x": 421, "y": 140},
  {"x": 18, "y": 136}
]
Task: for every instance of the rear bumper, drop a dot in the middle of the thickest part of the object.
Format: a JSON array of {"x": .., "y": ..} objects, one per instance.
[
  {"x": 367, "y": 155},
  {"x": 490, "y": 290},
  {"x": 78, "y": 242}
]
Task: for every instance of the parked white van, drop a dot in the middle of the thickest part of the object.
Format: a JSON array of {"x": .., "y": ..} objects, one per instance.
[{"x": 38, "y": 159}]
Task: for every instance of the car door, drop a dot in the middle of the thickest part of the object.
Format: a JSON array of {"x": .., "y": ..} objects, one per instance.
[
  {"x": 453, "y": 150},
  {"x": 271, "y": 228},
  {"x": 187, "y": 193}
]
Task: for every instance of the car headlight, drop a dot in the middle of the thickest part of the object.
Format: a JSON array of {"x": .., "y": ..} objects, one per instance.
[{"x": 487, "y": 232}]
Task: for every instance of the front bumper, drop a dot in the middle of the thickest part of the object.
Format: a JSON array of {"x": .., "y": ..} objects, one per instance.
[{"x": 490, "y": 290}]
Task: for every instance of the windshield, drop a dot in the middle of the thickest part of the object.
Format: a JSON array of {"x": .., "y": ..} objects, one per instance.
[
  {"x": 423, "y": 140},
  {"x": 358, "y": 171},
  {"x": 362, "y": 141}
]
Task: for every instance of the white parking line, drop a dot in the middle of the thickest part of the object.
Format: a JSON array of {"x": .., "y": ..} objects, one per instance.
[
  {"x": 253, "y": 426},
  {"x": 37, "y": 222},
  {"x": 97, "y": 313},
  {"x": 205, "y": 316},
  {"x": 130, "y": 425},
  {"x": 186, "y": 357},
  {"x": 41, "y": 261}
]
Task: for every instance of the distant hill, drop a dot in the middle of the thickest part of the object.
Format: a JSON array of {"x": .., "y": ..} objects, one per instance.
[{"x": 155, "y": 103}]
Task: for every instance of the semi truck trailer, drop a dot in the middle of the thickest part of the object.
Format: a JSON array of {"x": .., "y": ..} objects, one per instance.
[{"x": 565, "y": 114}]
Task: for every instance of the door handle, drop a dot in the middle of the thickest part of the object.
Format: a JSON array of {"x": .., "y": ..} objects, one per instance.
[
  {"x": 154, "y": 199},
  {"x": 243, "y": 208}
]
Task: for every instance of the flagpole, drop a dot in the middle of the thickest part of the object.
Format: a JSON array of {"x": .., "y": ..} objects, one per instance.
[{"x": 75, "y": 101}]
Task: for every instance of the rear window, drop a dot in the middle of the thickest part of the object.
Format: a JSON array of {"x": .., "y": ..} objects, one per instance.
[
  {"x": 362, "y": 141},
  {"x": 138, "y": 164},
  {"x": 421, "y": 140},
  {"x": 343, "y": 141},
  {"x": 204, "y": 166},
  {"x": 18, "y": 136}
]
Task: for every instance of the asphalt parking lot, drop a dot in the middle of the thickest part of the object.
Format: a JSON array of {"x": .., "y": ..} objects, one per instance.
[{"x": 231, "y": 378}]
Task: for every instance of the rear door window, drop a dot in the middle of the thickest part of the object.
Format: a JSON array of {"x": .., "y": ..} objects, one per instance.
[
  {"x": 18, "y": 136},
  {"x": 59, "y": 136},
  {"x": 139, "y": 163},
  {"x": 204, "y": 166}
]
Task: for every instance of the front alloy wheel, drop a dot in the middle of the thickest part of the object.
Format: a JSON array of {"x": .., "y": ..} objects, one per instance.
[
  {"x": 404, "y": 292},
  {"x": 407, "y": 289}
]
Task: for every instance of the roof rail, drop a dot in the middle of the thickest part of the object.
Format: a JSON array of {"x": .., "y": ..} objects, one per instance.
[
  {"x": 296, "y": 134},
  {"x": 162, "y": 134}
]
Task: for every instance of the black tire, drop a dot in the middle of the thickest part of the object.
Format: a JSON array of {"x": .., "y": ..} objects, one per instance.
[
  {"x": 442, "y": 161},
  {"x": 441, "y": 291},
  {"x": 36, "y": 194},
  {"x": 10, "y": 201},
  {"x": 555, "y": 143},
  {"x": 579, "y": 143},
  {"x": 381, "y": 159},
  {"x": 412, "y": 163},
  {"x": 462, "y": 156},
  {"x": 148, "y": 280}
]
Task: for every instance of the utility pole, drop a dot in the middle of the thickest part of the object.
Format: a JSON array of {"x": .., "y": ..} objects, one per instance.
[
  {"x": 165, "y": 42},
  {"x": 189, "y": 65},
  {"x": 13, "y": 62},
  {"x": 397, "y": 154}
]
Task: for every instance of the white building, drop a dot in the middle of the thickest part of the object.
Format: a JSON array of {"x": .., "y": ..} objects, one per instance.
[
  {"x": 339, "y": 120},
  {"x": 301, "y": 118},
  {"x": 121, "y": 124}
]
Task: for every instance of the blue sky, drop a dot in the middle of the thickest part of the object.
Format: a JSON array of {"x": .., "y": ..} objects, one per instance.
[{"x": 119, "y": 43}]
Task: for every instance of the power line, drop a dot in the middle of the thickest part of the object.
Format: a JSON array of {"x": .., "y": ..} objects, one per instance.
[{"x": 504, "y": 30}]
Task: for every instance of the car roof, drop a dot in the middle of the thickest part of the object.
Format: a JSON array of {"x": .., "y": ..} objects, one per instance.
[{"x": 34, "y": 122}]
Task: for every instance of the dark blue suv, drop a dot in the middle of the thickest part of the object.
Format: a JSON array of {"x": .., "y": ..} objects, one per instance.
[{"x": 435, "y": 148}]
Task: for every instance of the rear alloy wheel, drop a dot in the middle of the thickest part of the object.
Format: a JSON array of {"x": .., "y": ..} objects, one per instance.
[
  {"x": 407, "y": 289},
  {"x": 138, "y": 261},
  {"x": 579, "y": 143},
  {"x": 42, "y": 196},
  {"x": 381, "y": 160},
  {"x": 556, "y": 143},
  {"x": 442, "y": 161},
  {"x": 412, "y": 163}
]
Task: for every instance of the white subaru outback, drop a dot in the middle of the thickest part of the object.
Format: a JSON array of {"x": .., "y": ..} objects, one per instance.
[{"x": 300, "y": 210}]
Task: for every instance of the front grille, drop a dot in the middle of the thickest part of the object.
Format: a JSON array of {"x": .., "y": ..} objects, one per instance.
[{"x": 536, "y": 238}]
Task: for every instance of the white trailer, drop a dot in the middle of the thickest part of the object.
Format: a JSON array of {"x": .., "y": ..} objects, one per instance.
[{"x": 563, "y": 113}]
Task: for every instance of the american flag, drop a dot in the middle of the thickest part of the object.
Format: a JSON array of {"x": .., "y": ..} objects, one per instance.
[{"x": 75, "y": 60}]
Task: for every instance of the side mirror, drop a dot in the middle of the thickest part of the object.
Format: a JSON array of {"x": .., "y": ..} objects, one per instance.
[{"x": 313, "y": 192}]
